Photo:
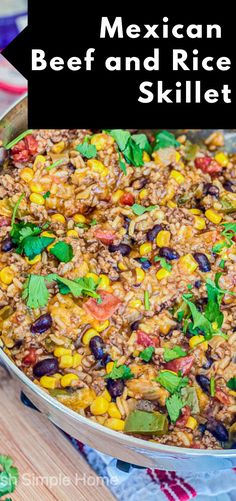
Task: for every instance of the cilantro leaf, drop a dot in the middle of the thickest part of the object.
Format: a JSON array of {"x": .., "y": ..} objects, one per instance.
[
  {"x": 121, "y": 137},
  {"x": 33, "y": 246},
  {"x": 174, "y": 404},
  {"x": 35, "y": 291},
  {"x": 142, "y": 141},
  {"x": 147, "y": 353},
  {"x": 175, "y": 352},
  {"x": 9, "y": 475},
  {"x": 215, "y": 295},
  {"x": 122, "y": 164},
  {"x": 46, "y": 195},
  {"x": 164, "y": 264},
  {"x": 199, "y": 320},
  {"x": 171, "y": 381},
  {"x": 78, "y": 287},
  {"x": 87, "y": 150},
  {"x": 121, "y": 372},
  {"x": 62, "y": 251},
  {"x": 139, "y": 210},
  {"x": 232, "y": 383},
  {"x": 165, "y": 139}
]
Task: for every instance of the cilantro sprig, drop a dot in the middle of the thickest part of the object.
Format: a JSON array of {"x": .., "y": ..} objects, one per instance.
[
  {"x": 174, "y": 405},
  {"x": 131, "y": 147},
  {"x": 174, "y": 353},
  {"x": 165, "y": 139},
  {"x": 36, "y": 293},
  {"x": 164, "y": 264},
  {"x": 62, "y": 251},
  {"x": 121, "y": 372},
  {"x": 171, "y": 381},
  {"x": 86, "y": 149},
  {"x": 147, "y": 353},
  {"x": 9, "y": 475},
  {"x": 228, "y": 233}
]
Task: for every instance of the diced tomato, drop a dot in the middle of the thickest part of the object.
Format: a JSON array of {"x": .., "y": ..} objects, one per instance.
[
  {"x": 127, "y": 199},
  {"x": 185, "y": 413},
  {"x": 105, "y": 309},
  {"x": 207, "y": 165},
  {"x": 30, "y": 359},
  {"x": 22, "y": 151},
  {"x": 4, "y": 221},
  {"x": 31, "y": 144},
  {"x": 105, "y": 236},
  {"x": 183, "y": 364},
  {"x": 146, "y": 340},
  {"x": 222, "y": 396}
]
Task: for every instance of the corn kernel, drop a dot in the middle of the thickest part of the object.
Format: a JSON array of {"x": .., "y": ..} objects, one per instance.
[
  {"x": 202, "y": 397},
  {"x": 109, "y": 367},
  {"x": 171, "y": 204},
  {"x": 115, "y": 424},
  {"x": 6, "y": 275},
  {"x": 48, "y": 234},
  {"x": 104, "y": 282},
  {"x": 199, "y": 223},
  {"x": 66, "y": 362},
  {"x": 59, "y": 352},
  {"x": 27, "y": 174},
  {"x": 36, "y": 187},
  {"x": 68, "y": 379},
  {"x": 177, "y": 176},
  {"x": 116, "y": 196},
  {"x": 72, "y": 234},
  {"x": 222, "y": 159},
  {"x": 195, "y": 341},
  {"x": 77, "y": 357},
  {"x": 79, "y": 218},
  {"x": 145, "y": 249},
  {"x": 232, "y": 393},
  {"x": 97, "y": 166},
  {"x": 58, "y": 218},
  {"x": 35, "y": 198},
  {"x": 162, "y": 273},
  {"x": 177, "y": 156},
  {"x": 100, "y": 326},
  {"x": 187, "y": 263},
  {"x": 48, "y": 382},
  {"x": 58, "y": 147},
  {"x": 39, "y": 160},
  {"x": 140, "y": 275},
  {"x": 191, "y": 423},
  {"x": 99, "y": 406},
  {"x": 163, "y": 238},
  {"x": 88, "y": 335},
  {"x": 146, "y": 157},
  {"x": 122, "y": 266},
  {"x": 93, "y": 276},
  {"x": 113, "y": 411},
  {"x": 135, "y": 353},
  {"x": 213, "y": 216},
  {"x": 35, "y": 260},
  {"x": 135, "y": 303},
  {"x": 102, "y": 141},
  {"x": 196, "y": 212},
  {"x": 143, "y": 194},
  {"x": 105, "y": 394}
]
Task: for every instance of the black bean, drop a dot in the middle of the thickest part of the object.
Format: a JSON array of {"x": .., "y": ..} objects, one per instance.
[
  {"x": 134, "y": 326},
  {"x": 211, "y": 189},
  {"x": 218, "y": 430},
  {"x": 96, "y": 346},
  {"x": 168, "y": 253},
  {"x": 126, "y": 223},
  {"x": 202, "y": 428},
  {"x": 208, "y": 363},
  {"x": 124, "y": 249},
  {"x": 197, "y": 284},
  {"x": 7, "y": 244},
  {"x": 229, "y": 186},
  {"x": 115, "y": 387},
  {"x": 204, "y": 382},
  {"x": 46, "y": 367},
  {"x": 146, "y": 264},
  {"x": 42, "y": 324},
  {"x": 151, "y": 234},
  {"x": 202, "y": 261}
]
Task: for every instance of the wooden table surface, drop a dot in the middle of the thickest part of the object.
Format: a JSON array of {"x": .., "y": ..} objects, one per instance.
[{"x": 50, "y": 468}]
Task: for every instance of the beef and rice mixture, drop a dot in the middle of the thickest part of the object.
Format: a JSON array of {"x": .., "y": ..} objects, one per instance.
[{"x": 118, "y": 278}]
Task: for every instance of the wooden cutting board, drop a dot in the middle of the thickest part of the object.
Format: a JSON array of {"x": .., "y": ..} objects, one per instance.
[{"x": 43, "y": 454}]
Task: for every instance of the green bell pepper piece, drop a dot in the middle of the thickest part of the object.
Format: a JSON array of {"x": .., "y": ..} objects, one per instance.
[{"x": 146, "y": 423}]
